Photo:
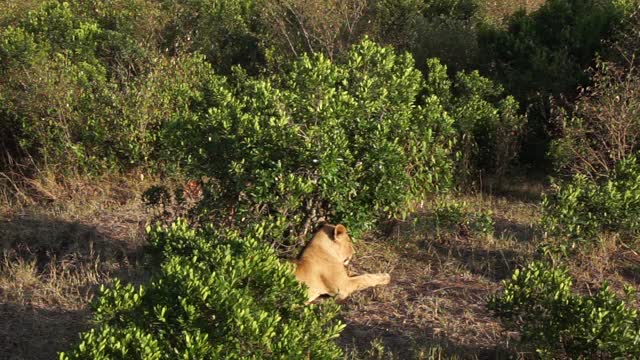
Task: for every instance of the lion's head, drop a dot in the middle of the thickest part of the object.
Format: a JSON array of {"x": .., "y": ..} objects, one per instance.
[{"x": 336, "y": 241}]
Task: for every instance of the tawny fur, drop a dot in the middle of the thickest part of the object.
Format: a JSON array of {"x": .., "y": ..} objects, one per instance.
[{"x": 322, "y": 265}]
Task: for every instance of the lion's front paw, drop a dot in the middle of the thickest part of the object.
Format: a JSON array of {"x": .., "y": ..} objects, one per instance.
[{"x": 385, "y": 279}]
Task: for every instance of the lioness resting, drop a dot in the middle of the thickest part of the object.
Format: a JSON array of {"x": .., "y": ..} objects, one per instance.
[{"x": 322, "y": 265}]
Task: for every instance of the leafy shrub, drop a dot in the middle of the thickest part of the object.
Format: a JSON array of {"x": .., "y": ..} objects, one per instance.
[
  {"x": 580, "y": 209},
  {"x": 539, "y": 303},
  {"x": 488, "y": 124},
  {"x": 341, "y": 141},
  {"x": 454, "y": 217},
  {"x": 443, "y": 29},
  {"x": 217, "y": 296}
]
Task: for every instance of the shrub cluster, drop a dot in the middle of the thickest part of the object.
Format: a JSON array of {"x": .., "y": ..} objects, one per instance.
[
  {"x": 217, "y": 295},
  {"x": 83, "y": 90},
  {"x": 580, "y": 209},
  {"x": 602, "y": 127},
  {"x": 539, "y": 303}
]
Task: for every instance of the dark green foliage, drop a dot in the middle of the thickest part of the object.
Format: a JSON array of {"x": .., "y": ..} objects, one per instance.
[
  {"x": 226, "y": 32},
  {"x": 539, "y": 303},
  {"x": 488, "y": 123},
  {"x": 546, "y": 53},
  {"x": 581, "y": 208},
  {"x": 444, "y": 29},
  {"x": 217, "y": 295},
  {"x": 344, "y": 141}
]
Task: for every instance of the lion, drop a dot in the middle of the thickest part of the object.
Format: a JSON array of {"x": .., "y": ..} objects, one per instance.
[{"x": 322, "y": 265}]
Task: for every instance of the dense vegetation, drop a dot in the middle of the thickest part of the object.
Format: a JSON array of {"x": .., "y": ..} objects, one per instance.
[{"x": 286, "y": 113}]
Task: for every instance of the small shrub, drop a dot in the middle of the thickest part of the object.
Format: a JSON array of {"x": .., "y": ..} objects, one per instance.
[
  {"x": 580, "y": 209},
  {"x": 539, "y": 303},
  {"x": 453, "y": 217},
  {"x": 217, "y": 295}
]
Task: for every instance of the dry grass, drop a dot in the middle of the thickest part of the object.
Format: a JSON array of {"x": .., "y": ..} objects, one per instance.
[
  {"x": 499, "y": 10},
  {"x": 58, "y": 241},
  {"x": 435, "y": 306}
]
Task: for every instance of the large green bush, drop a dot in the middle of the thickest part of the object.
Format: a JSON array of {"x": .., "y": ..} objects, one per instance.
[
  {"x": 557, "y": 323},
  {"x": 581, "y": 209},
  {"x": 217, "y": 296},
  {"x": 351, "y": 142}
]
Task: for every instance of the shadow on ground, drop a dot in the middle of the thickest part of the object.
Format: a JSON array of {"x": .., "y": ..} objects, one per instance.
[
  {"x": 417, "y": 343},
  {"x": 33, "y": 323},
  {"x": 34, "y": 333},
  {"x": 43, "y": 238},
  {"x": 508, "y": 228},
  {"x": 494, "y": 265}
]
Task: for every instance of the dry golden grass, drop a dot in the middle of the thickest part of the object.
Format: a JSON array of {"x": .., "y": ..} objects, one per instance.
[
  {"x": 498, "y": 10},
  {"x": 58, "y": 241}
]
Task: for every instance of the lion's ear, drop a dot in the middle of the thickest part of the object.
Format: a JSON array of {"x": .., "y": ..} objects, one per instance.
[{"x": 338, "y": 231}]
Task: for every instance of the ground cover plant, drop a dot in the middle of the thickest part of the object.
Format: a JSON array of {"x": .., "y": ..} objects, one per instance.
[{"x": 539, "y": 302}]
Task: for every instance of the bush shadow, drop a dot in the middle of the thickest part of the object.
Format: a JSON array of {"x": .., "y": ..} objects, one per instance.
[
  {"x": 34, "y": 324},
  {"x": 27, "y": 332},
  {"x": 494, "y": 265},
  {"x": 43, "y": 238},
  {"x": 412, "y": 344}
]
